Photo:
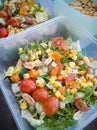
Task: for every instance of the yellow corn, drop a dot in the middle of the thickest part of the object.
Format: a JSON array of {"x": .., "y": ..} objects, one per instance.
[
  {"x": 41, "y": 9},
  {"x": 39, "y": 72},
  {"x": 26, "y": 76},
  {"x": 57, "y": 94},
  {"x": 52, "y": 79},
  {"x": 23, "y": 105},
  {"x": 30, "y": 12},
  {"x": 16, "y": 71},
  {"x": 89, "y": 76},
  {"x": 95, "y": 93},
  {"x": 20, "y": 50},
  {"x": 73, "y": 91},
  {"x": 81, "y": 72},
  {"x": 62, "y": 97}
]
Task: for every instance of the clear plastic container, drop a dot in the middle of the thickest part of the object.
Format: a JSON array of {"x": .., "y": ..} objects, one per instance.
[
  {"x": 47, "y": 4},
  {"x": 62, "y": 8},
  {"x": 62, "y": 26}
]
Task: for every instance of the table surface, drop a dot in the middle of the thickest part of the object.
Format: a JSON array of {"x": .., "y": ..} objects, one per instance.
[{"x": 7, "y": 122}]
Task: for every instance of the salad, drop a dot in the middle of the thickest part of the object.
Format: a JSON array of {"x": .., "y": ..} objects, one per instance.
[
  {"x": 54, "y": 84},
  {"x": 18, "y": 15}
]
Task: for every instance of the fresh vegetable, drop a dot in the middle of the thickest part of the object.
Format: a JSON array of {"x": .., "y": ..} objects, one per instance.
[
  {"x": 51, "y": 105},
  {"x": 81, "y": 105},
  {"x": 40, "y": 95},
  {"x": 27, "y": 86},
  {"x": 3, "y": 32},
  {"x": 54, "y": 83},
  {"x": 18, "y": 15}
]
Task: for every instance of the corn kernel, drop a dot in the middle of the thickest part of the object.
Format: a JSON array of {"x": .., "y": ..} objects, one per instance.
[
  {"x": 81, "y": 72},
  {"x": 30, "y": 12},
  {"x": 23, "y": 105},
  {"x": 26, "y": 76},
  {"x": 70, "y": 55},
  {"x": 62, "y": 97},
  {"x": 73, "y": 91},
  {"x": 20, "y": 50},
  {"x": 52, "y": 79},
  {"x": 39, "y": 72},
  {"x": 57, "y": 94},
  {"x": 95, "y": 93},
  {"x": 41, "y": 9},
  {"x": 16, "y": 71},
  {"x": 72, "y": 64},
  {"x": 80, "y": 62},
  {"x": 89, "y": 76}
]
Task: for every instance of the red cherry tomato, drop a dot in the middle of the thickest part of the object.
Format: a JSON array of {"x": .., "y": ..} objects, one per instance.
[
  {"x": 3, "y": 32},
  {"x": 58, "y": 42},
  {"x": 13, "y": 22},
  {"x": 27, "y": 86},
  {"x": 81, "y": 105},
  {"x": 51, "y": 106},
  {"x": 40, "y": 95}
]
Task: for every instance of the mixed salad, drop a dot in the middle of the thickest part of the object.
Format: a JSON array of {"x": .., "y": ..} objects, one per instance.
[
  {"x": 53, "y": 83},
  {"x": 17, "y": 15}
]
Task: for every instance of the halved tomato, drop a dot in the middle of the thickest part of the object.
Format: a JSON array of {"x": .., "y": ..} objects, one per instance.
[
  {"x": 58, "y": 42},
  {"x": 80, "y": 104},
  {"x": 40, "y": 95},
  {"x": 27, "y": 86},
  {"x": 3, "y": 32},
  {"x": 51, "y": 106},
  {"x": 13, "y": 22}
]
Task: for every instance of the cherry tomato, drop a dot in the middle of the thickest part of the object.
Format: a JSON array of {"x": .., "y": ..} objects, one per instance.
[
  {"x": 81, "y": 105},
  {"x": 40, "y": 95},
  {"x": 3, "y": 32},
  {"x": 13, "y": 22},
  {"x": 58, "y": 42},
  {"x": 51, "y": 106},
  {"x": 27, "y": 86}
]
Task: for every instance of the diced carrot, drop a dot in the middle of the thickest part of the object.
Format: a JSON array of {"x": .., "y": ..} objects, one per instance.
[
  {"x": 23, "y": 11},
  {"x": 56, "y": 56},
  {"x": 62, "y": 90},
  {"x": 15, "y": 78},
  {"x": 33, "y": 73},
  {"x": 31, "y": 2},
  {"x": 91, "y": 59},
  {"x": 24, "y": 5},
  {"x": 70, "y": 84},
  {"x": 54, "y": 71}
]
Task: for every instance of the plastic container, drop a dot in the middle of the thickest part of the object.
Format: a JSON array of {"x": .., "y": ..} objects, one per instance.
[
  {"x": 62, "y": 26},
  {"x": 62, "y": 8},
  {"x": 47, "y": 4}
]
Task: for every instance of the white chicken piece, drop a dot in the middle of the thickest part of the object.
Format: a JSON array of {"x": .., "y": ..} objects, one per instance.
[{"x": 31, "y": 65}]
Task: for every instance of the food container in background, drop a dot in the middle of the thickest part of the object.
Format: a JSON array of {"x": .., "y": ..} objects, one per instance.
[
  {"x": 19, "y": 23},
  {"x": 62, "y": 8},
  {"x": 59, "y": 26}
]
